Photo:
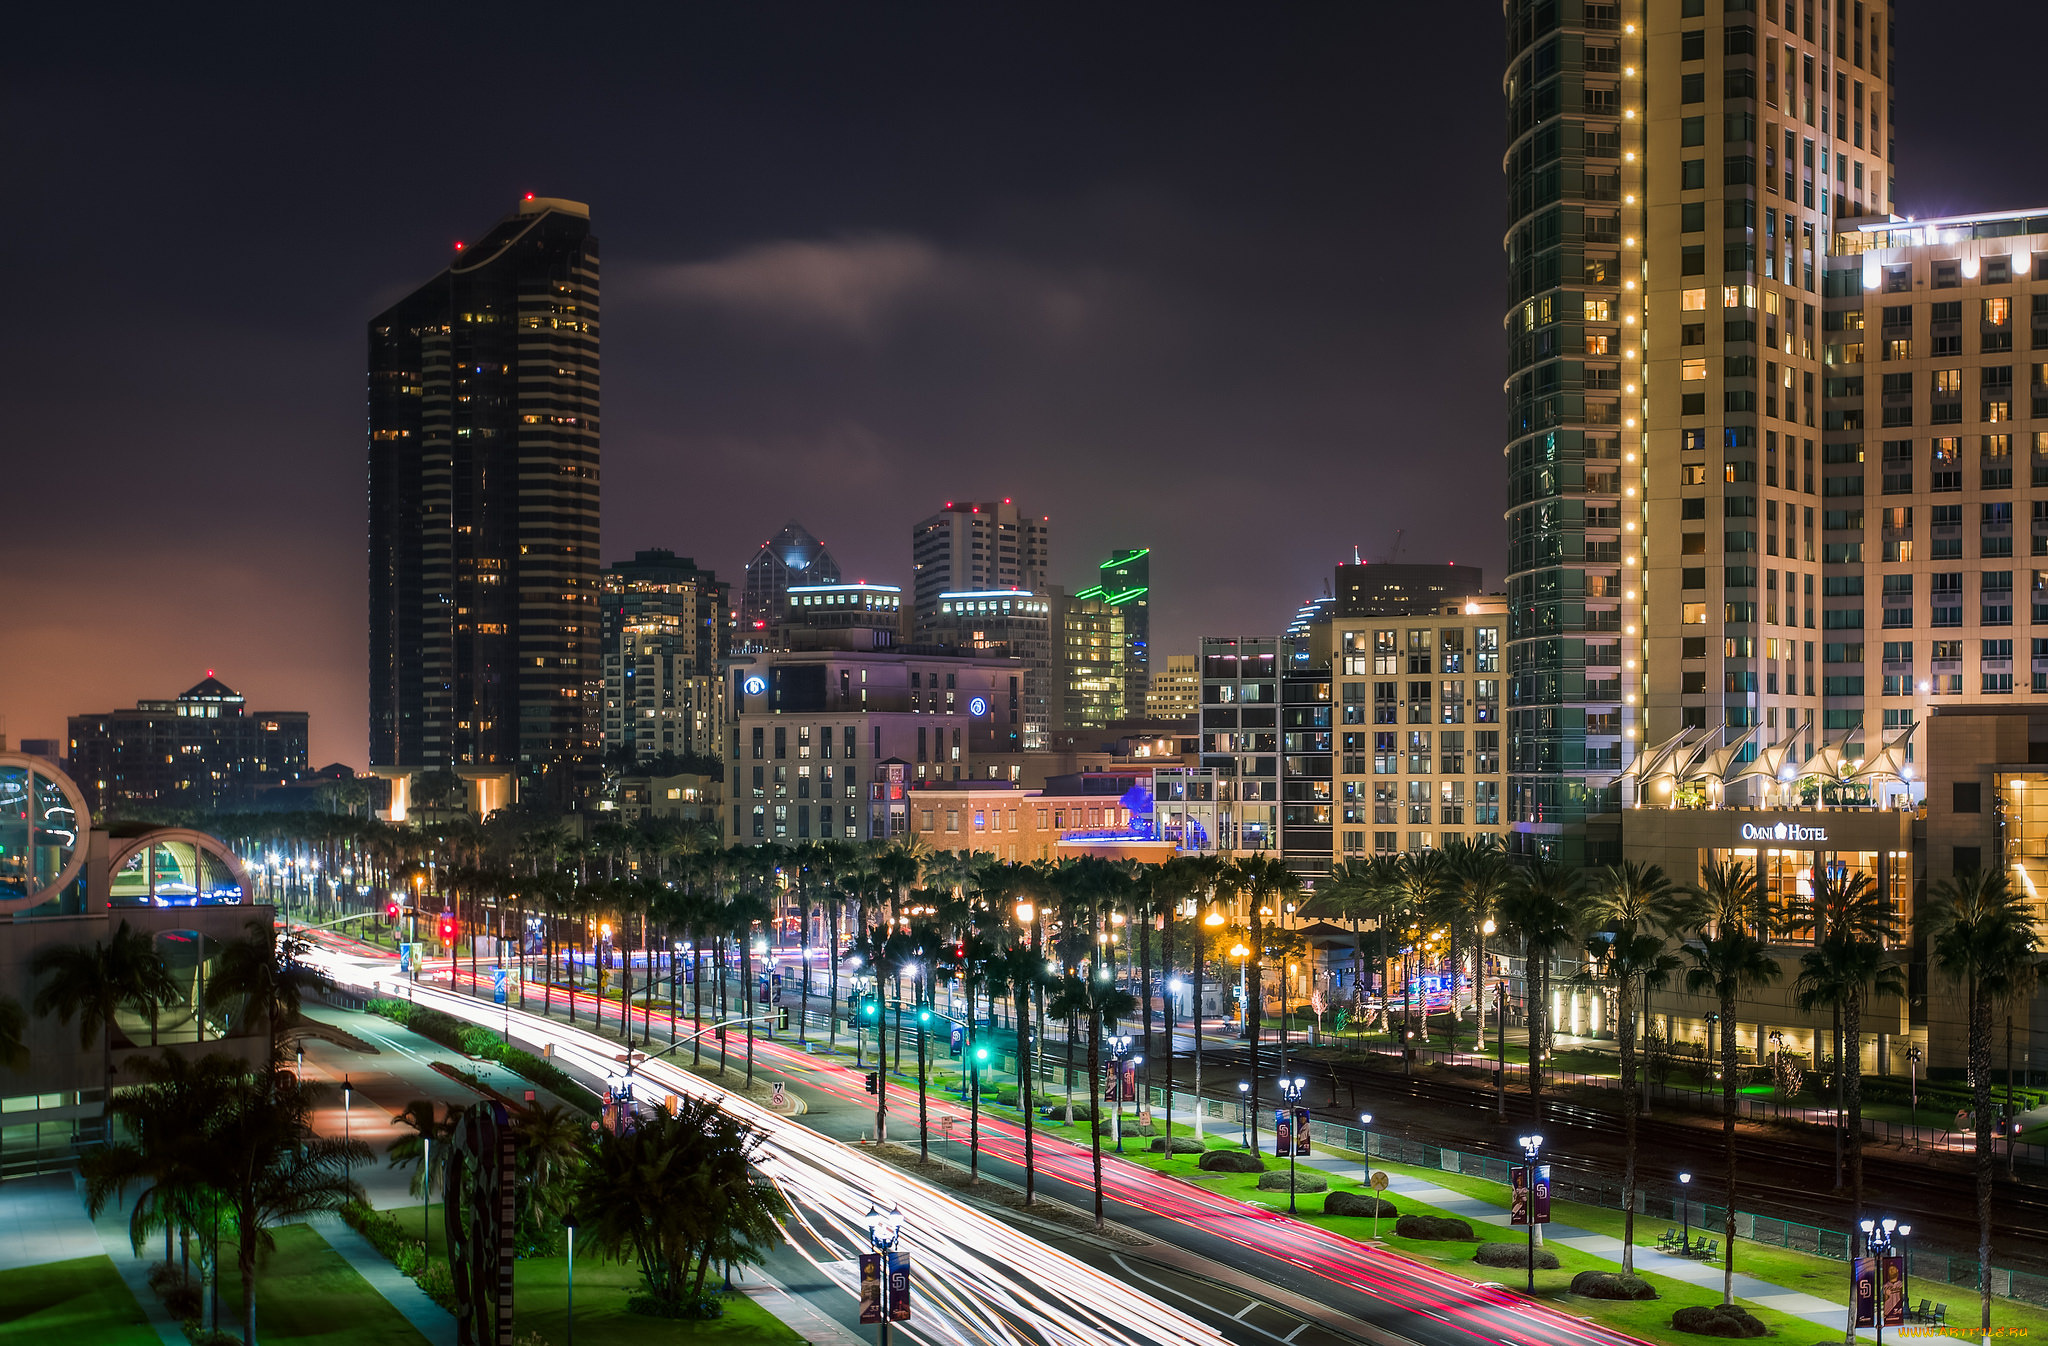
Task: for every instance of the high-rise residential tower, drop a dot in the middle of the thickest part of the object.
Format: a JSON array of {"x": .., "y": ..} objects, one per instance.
[
  {"x": 968, "y": 547},
  {"x": 665, "y": 626},
  {"x": 1663, "y": 412},
  {"x": 792, "y": 556},
  {"x": 483, "y": 506},
  {"x": 1126, "y": 585}
]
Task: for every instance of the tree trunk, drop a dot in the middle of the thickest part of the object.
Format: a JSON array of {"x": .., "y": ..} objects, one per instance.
[
  {"x": 1254, "y": 1009},
  {"x": 1625, "y": 1039},
  {"x": 1094, "y": 1108},
  {"x": 803, "y": 1022},
  {"x": 1852, "y": 1063},
  {"x": 1024, "y": 1083},
  {"x": 1728, "y": 1144},
  {"x": 1980, "y": 1094},
  {"x": 1145, "y": 978}
]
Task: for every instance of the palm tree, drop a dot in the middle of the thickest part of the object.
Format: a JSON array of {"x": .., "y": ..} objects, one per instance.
[
  {"x": 1981, "y": 935},
  {"x": 93, "y": 983},
  {"x": 425, "y": 1151},
  {"x": 1421, "y": 886},
  {"x": 1634, "y": 901},
  {"x": 1849, "y": 962},
  {"x": 1478, "y": 874},
  {"x": 675, "y": 1193},
  {"x": 268, "y": 972},
  {"x": 1264, "y": 882},
  {"x": 552, "y": 1141},
  {"x": 1731, "y": 924},
  {"x": 1094, "y": 997},
  {"x": 1541, "y": 908}
]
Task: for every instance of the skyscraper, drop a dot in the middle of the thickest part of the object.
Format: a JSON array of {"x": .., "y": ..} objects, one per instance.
[
  {"x": 967, "y": 548},
  {"x": 792, "y": 556},
  {"x": 1126, "y": 585},
  {"x": 1649, "y": 393},
  {"x": 665, "y": 626},
  {"x": 483, "y": 506}
]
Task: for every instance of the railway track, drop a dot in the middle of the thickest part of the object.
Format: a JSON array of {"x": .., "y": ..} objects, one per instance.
[{"x": 1782, "y": 1178}]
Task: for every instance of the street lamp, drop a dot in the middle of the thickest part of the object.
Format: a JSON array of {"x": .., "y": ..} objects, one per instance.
[
  {"x": 1532, "y": 1146},
  {"x": 1365, "y": 1121},
  {"x": 1685, "y": 1211},
  {"x": 884, "y": 1229},
  {"x": 569, "y": 1224},
  {"x": 348, "y": 1095},
  {"x": 1242, "y": 954},
  {"x": 1913, "y": 1059},
  {"x": 1877, "y": 1246},
  {"x": 1174, "y": 986},
  {"x": 1244, "y": 1108},
  {"x": 1291, "y": 1091},
  {"x": 1119, "y": 1048}
]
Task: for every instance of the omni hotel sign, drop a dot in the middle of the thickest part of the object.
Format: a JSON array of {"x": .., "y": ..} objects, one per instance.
[{"x": 1784, "y": 832}]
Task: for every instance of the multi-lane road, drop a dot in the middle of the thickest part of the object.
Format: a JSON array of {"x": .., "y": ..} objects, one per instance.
[{"x": 1217, "y": 1269}]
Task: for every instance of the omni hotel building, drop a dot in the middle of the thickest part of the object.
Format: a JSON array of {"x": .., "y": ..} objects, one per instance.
[{"x": 1776, "y": 492}]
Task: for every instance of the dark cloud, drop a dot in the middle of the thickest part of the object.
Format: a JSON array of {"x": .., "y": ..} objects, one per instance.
[{"x": 1223, "y": 280}]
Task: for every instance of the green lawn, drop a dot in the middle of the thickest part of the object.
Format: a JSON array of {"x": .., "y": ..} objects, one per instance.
[
  {"x": 540, "y": 1290},
  {"x": 307, "y": 1295},
  {"x": 78, "y": 1303}
]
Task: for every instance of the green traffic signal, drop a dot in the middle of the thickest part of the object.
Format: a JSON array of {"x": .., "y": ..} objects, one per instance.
[
  {"x": 924, "y": 1016},
  {"x": 868, "y": 1009},
  {"x": 980, "y": 1055}
]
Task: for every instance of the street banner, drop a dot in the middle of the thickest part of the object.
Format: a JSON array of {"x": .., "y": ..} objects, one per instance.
[
  {"x": 1283, "y": 1131},
  {"x": 404, "y": 960},
  {"x": 497, "y": 986},
  {"x": 1518, "y": 1194},
  {"x": 899, "y": 1287},
  {"x": 1130, "y": 1081},
  {"x": 1542, "y": 1194},
  {"x": 955, "y": 1040},
  {"x": 871, "y": 1307},
  {"x": 1891, "y": 1289},
  {"x": 1301, "y": 1130},
  {"x": 1866, "y": 1291}
]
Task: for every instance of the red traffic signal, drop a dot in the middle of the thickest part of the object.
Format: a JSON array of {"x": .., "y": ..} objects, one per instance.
[
  {"x": 447, "y": 928},
  {"x": 391, "y": 910}
]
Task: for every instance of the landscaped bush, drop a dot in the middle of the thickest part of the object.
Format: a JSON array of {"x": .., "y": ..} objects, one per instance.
[
  {"x": 473, "y": 1040},
  {"x": 1513, "y": 1255},
  {"x": 1439, "y": 1227},
  {"x": 1131, "y": 1128},
  {"x": 1359, "y": 1203},
  {"x": 206, "y": 1336},
  {"x": 1276, "y": 1181},
  {"x": 1718, "y": 1320},
  {"x": 1181, "y": 1145},
  {"x": 439, "y": 1284},
  {"x": 1230, "y": 1161},
  {"x": 697, "y": 1310},
  {"x": 1612, "y": 1285},
  {"x": 180, "y": 1295}
]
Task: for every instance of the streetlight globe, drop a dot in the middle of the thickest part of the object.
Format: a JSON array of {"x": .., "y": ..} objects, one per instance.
[
  {"x": 1244, "y": 1086},
  {"x": 1026, "y": 913},
  {"x": 1238, "y": 951},
  {"x": 1365, "y": 1118},
  {"x": 1905, "y": 1231},
  {"x": 1685, "y": 1177},
  {"x": 1213, "y": 918},
  {"x": 1866, "y": 1225},
  {"x": 1890, "y": 1225}
]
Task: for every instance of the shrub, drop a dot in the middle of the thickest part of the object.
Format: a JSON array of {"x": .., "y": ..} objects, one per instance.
[
  {"x": 475, "y": 1040},
  {"x": 1231, "y": 1161},
  {"x": 439, "y": 1284},
  {"x": 1131, "y": 1128},
  {"x": 1513, "y": 1255},
  {"x": 200, "y": 1335},
  {"x": 1438, "y": 1227},
  {"x": 1718, "y": 1320},
  {"x": 1276, "y": 1181},
  {"x": 1612, "y": 1285},
  {"x": 699, "y": 1310},
  {"x": 1181, "y": 1145},
  {"x": 1359, "y": 1203}
]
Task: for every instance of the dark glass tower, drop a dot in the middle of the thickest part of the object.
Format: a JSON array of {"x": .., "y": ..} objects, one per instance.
[
  {"x": 1126, "y": 585},
  {"x": 1571, "y": 160},
  {"x": 483, "y": 507}
]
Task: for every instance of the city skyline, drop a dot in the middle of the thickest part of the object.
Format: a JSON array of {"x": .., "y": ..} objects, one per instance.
[{"x": 823, "y": 319}]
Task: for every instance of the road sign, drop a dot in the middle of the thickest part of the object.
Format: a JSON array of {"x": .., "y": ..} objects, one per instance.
[
  {"x": 1379, "y": 1181},
  {"x": 779, "y": 1096}
]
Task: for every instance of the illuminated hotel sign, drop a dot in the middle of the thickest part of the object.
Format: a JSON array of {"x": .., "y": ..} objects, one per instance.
[
  {"x": 1782, "y": 832},
  {"x": 755, "y": 685}
]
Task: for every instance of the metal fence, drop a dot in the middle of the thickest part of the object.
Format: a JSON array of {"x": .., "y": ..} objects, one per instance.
[{"x": 1927, "y": 1267}]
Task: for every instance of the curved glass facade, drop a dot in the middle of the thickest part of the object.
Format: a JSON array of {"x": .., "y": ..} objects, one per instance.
[
  {"x": 42, "y": 840},
  {"x": 1574, "y": 266}
]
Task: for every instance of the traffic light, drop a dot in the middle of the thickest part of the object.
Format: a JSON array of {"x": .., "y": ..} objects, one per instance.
[
  {"x": 924, "y": 1014},
  {"x": 447, "y": 927},
  {"x": 874, "y": 1082},
  {"x": 391, "y": 910},
  {"x": 980, "y": 1054},
  {"x": 782, "y": 1018},
  {"x": 870, "y": 1009}
]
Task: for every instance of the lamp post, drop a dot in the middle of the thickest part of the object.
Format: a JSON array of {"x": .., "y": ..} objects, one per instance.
[
  {"x": 884, "y": 1229},
  {"x": 1119, "y": 1049},
  {"x": 1244, "y": 1108},
  {"x": 569, "y": 1224},
  {"x": 1174, "y": 986},
  {"x": 1532, "y": 1146},
  {"x": 1685, "y": 1210},
  {"x": 1905, "y": 1269},
  {"x": 1244, "y": 1012},
  {"x": 348, "y": 1096},
  {"x": 1877, "y": 1245},
  {"x": 1291, "y": 1091},
  {"x": 1913, "y": 1082},
  {"x": 1365, "y": 1121}
]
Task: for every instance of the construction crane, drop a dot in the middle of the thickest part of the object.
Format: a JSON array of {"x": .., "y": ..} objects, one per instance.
[{"x": 1394, "y": 549}]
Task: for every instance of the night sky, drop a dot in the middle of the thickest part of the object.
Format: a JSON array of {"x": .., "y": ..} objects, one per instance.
[{"x": 1221, "y": 280}]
